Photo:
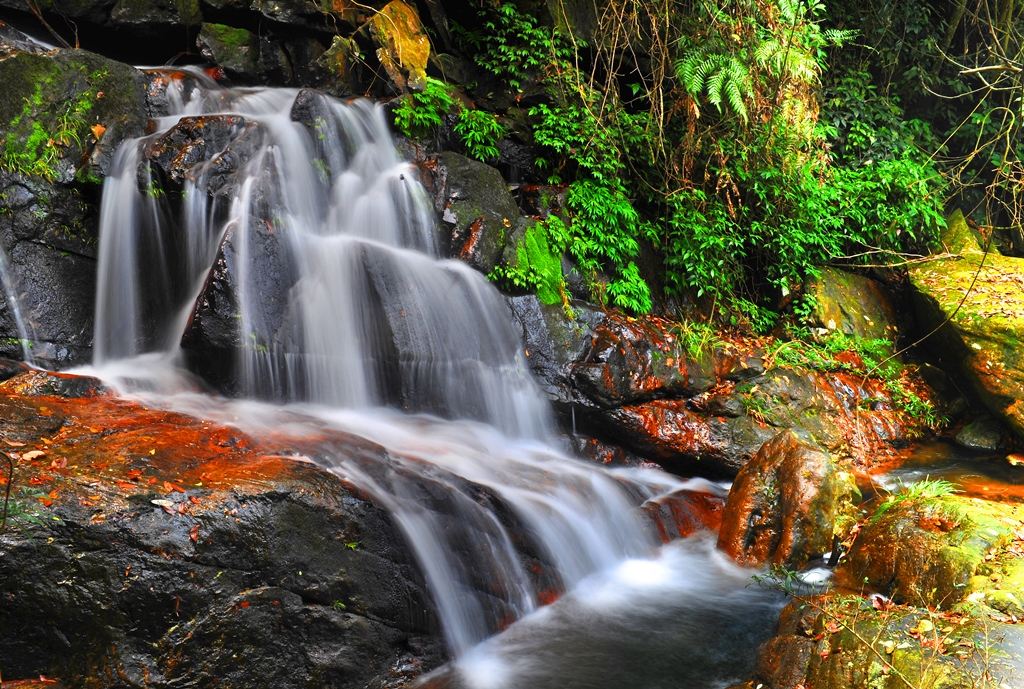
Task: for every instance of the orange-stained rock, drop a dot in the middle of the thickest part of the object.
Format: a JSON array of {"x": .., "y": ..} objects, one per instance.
[
  {"x": 144, "y": 544},
  {"x": 685, "y": 512},
  {"x": 784, "y": 504}
]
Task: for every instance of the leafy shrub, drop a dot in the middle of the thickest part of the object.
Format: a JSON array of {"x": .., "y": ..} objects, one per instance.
[
  {"x": 480, "y": 132},
  {"x": 420, "y": 112}
]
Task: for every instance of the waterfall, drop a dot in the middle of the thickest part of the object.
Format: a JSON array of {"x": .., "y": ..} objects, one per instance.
[
  {"x": 345, "y": 306},
  {"x": 26, "y": 336},
  {"x": 368, "y": 313}
]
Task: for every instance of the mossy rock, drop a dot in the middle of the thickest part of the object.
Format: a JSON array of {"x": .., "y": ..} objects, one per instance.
[
  {"x": 65, "y": 111},
  {"x": 176, "y": 12},
  {"x": 847, "y": 642},
  {"x": 242, "y": 53},
  {"x": 475, "y": 203},
  {"x": 403, "y": 44},
  {"x": 977, "y": 303},
  {"x": 853, "y": 305},
  {"x": 926, "y": 551}
]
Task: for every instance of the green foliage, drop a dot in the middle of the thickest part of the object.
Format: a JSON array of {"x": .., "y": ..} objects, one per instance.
[
  {"x": 538, "y": 264},
  {"x": 697, "y": 338},
  {"x": 420, "y": 112},
  {"x": 30, "y": 147},
  {"x": 720, "y": 162},
  {"x": 514, "y": 45},
  {"x": 923, "y": 492},
  {"x": 480, "y": 132},
  {"x": 719, "y": 77},
  {"x": 604, "y": 232}
]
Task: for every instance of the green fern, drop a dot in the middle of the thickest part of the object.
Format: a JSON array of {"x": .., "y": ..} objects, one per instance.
[{"x": 722, "y": 78}]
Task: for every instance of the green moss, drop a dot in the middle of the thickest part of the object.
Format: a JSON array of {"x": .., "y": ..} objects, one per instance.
[
  {"x": 53, "y": 120},
  {"x": 229, "y": 35},
  {"x": 538, "y": 262}
]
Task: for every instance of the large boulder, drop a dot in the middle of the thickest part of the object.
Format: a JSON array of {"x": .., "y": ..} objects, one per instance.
[
  {"x": 671, "y": 393},
  {"x": 786, "y": 505},
  {"x": 851, "y": 304},
  {"x": 975, "y": 303},
  {"x": 243, "y": 54},
  {"x": 848, "y": 642},
  {"x": 476, "y": 206},
  {"x": 65, "y": 113},
  {"x": 163, "y": 549}
]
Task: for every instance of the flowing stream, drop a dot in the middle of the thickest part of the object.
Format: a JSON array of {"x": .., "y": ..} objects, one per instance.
[{"x": 363, "y": 316}]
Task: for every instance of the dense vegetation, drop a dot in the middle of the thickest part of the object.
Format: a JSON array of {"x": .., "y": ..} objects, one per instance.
[{"x": 717, "y": 154}]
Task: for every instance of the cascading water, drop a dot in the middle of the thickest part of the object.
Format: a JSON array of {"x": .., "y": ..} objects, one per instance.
[
  {"x": 372, "y": 314},
  {"x": 25, "y": 334},
  {"x": 367, "y": 314}
]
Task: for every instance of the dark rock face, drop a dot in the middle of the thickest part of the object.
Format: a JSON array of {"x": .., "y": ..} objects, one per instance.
[
  {"x": 47, "y": 235},
  {"x": 785, "y": 504},
  {"x": 475, "y": 204},
  {"x": 241, "y": 53},
  {"x": 64, "y": 114},
  {"x": 166, "y": 549}
]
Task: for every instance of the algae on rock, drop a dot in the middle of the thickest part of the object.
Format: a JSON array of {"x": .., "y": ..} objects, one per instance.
[{"x": 975, "y": 301}]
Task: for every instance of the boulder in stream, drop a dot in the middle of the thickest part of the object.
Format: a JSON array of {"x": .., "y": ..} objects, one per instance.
[{"x": 786, "y": 504}]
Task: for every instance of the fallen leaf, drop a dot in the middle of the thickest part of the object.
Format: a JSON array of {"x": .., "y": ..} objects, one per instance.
[
  {"x": 194, "y": 534},
  {"x": 59, "y": 463},
  {"x": 173, "y": 487},
  {"x": 923, "y": 627},
  {"x": 98, "y": 130},
  {"x": 33, "y": 454},
  {"x": 163, "y": 503}
]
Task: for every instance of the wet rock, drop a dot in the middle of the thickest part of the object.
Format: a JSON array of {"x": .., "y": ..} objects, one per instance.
[
  {"x": 852, "y": 304},
  {"x": 634, "y": 382},
  {"x": 243, "y": 54},
  {"x": 476, "y": 206},
  {"x": 608, "y": 454},
  {"x": 64, "y": 114},
  {"x": 681, "y": 439},
  {"x": 685, "y": 512},
  {"x": 982, "y": 434},
  {"x": 980, "y": 333},
  {"x": 156, "y": 13},
  {"x": 924, "y": 550},
  {"x": 631, "y": 360},
  {"x": 48, "y": 237},
  {"x": 284, "y": 642},
  {"x": 48, "y": 383},
  {"x": 785, "y": 505},
  {"x": 165, "y": 548},
  {"x": 848, "y": 642},
  {"x": 66, "y": 111},
  {"x": 403, "y": 44},
  {"x": 196, "y": 146}
]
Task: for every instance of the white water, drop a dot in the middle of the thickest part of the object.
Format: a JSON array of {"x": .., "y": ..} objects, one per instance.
[
  {"x": 364, "y": 313},
  {"x": 26, "y": 334}
]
